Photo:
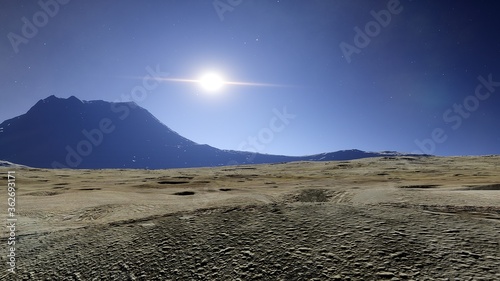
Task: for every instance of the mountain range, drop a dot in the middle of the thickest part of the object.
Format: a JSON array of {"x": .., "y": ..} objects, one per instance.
[{"x": 71, "y": 133}]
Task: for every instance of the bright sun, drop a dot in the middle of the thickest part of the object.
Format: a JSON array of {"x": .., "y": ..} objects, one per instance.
[{"x": 211, "y": 82}]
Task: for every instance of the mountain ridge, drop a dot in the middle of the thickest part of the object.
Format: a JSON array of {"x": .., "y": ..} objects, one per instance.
[{"x": 71, "y": 133}]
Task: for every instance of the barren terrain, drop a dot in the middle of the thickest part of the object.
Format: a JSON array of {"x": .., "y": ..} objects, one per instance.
[{"x": 392, "y": 218}]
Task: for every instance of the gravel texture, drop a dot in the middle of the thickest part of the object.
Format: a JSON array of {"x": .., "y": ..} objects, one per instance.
[{"x": 293, "y": 241}]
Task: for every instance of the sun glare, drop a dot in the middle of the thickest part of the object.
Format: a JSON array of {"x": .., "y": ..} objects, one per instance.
[{"x": 212, "y": 82}]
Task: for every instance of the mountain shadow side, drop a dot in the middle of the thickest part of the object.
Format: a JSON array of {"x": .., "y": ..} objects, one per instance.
[{"x": 70, "y": 133}]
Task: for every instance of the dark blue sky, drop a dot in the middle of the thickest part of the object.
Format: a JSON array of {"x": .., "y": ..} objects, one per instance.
[{"x": 407, "y": 83}]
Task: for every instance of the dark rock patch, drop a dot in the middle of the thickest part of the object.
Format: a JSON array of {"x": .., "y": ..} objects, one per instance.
[
  {"x": 173, "y": 182},
  {"x": 184, "y": 177},
  {"x": 495, "y": 186},
  {"x": 184, "y": 193},
  {"x": 313, "y": 195},
  {"x": 420, "y": 186},
  {"x": 44, "y": 193}
]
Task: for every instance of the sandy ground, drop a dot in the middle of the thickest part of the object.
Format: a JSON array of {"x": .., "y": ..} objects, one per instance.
[{"x": 396, "y": 218}]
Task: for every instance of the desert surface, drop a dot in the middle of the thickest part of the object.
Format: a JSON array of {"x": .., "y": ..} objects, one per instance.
[{"x": 389, "y": 218}]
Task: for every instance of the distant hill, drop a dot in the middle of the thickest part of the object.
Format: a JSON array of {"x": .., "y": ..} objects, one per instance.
[
  {"x": 70, "y": 133},
  {"x": 7, "y": 164}
]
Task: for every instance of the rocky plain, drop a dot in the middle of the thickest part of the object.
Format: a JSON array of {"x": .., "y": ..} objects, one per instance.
[{"x": 386, "y": 218}]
